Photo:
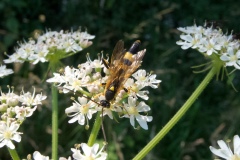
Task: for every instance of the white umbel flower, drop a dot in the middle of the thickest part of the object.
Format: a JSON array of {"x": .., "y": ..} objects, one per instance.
[
  {"x": 89, "y": 153},
  {"x": 133, "y": 113},
  {"x": 80, "y": 111},
  {"x": 8, "y": 133},
  {"x": 18, "y": 107},
  {"x": 43, "y": 48},
  {"x": 38, "y": 156},
  {"x": 231, "y": 57},
  {"x": 212, "y": 43},
  {"x": 4, "y": 71},
  {"x": 30, "y": 99}
]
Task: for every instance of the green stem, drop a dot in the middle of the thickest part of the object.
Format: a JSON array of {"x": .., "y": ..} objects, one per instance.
[
  {"x": 177, "y": 116},
  {"x": 13, "y": 154},
  {"x": 54, "y": 123},
  {"x": 95, "y": 130}
]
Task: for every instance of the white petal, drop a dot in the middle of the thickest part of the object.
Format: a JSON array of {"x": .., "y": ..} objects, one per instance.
[
  {"x": 36, "y": 155},
  {"x": 10, "y": 144},
  {"x": 16, "y": 137},
  {"x": 74, "y": 119},
  {"x": 142, "y": 107},
  {"x": 219, "y": 152},
  {"x": 3, "y": 143},
  {"x": 82, "y": 100},
  {"x": 142, "y": 122},
  {"x": 143, "y": 95},
  {"x": 95, "y": 148},
  {"x": 76, "y": 154},
  {"x": 132, "y": 120},
  {"x": 187, "y": 38},
  {"x": 81, "y": 119},
  {"x": 14, "y": 127},
  {"x": 73, "y": 108},
  {"x": 224, "y": 58},
  {"x": 1, "y": 137},
  {"x": 3, "y": 126},
  {"x": 236, "y": 144},
  {"x": 222, "y": 145},
  {"x": 86, "y": 149},
  {"x": 131, "y": 101},
  {"x": 236, "y": 65},
  {"x": 186, "y": 46}
]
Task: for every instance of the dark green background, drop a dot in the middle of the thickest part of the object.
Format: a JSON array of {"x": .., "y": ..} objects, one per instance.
[{"x": 215, "y": 115}]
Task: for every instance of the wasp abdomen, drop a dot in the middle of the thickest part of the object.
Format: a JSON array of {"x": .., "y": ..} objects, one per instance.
[
  {"x": 128, "y": 59},
  {"x": 109, "y": 94},
  {"x": 135, "y": 47}
]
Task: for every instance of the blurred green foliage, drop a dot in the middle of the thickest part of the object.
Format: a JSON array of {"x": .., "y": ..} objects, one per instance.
[{"x": 215, "y": 115}]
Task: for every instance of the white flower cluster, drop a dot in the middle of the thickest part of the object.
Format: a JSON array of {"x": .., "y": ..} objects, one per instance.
[
  {"x": 209, "y": 41},
  {"x": 225, "y": 151},
  {"x": 88, "y": 80},
  {"x": 13, "y": 110},
  {"x": 91, "y": 153},
  {"x": 52, "y": 42},
  {"x": 4, "y": 71}
]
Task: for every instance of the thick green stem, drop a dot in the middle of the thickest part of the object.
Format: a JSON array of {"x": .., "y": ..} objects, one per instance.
[
  {"x": 95, "y": 130},
  {"x": 54, "y": 123},
  {"x": 13, "y": 154},
  {"x": 177, "y": 116}
]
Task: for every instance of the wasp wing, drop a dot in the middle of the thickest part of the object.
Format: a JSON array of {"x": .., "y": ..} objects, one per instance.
[
  {"x": 118, "y": 53},
  {"x": 129, "y": 70},
  {"x": 116, "y": 59}
]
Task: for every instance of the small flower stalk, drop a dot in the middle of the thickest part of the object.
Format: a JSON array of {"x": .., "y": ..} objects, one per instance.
[
  {"x": 14, "y": 109},
  {"x": 87, "y": 82},
  {"x": 221, "y": 47}
]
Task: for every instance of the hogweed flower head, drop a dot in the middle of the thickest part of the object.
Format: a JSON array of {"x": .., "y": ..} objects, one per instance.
[
  {"x": 51, "y": 46},
  {"x": 4, "y": 71},
  {"x": 18, "y": 107},
  {"x": 14, "y": 109},
  {"x": 221, "y": 47},
  {"x": 88, "y": 80},
  {"x": 225, "y": 150}
]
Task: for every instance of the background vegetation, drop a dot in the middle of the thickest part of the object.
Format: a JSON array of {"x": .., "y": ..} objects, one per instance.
[{"x": 215, "y": 115}]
